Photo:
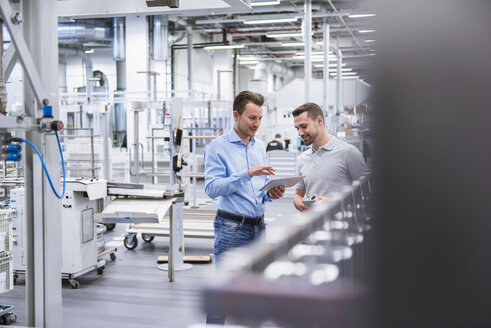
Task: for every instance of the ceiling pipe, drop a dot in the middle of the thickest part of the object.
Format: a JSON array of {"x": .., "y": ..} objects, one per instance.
[
  {"x": 262, "y": 68},
  {"x": 160, "y": 42},
  {"x": 84, "y": 32},
  {"x": 346, "y": 25},
  {"x": 87, "y": 63},
  {"x": 308, "y": 49},
  {"x": 119, "y": 39}
]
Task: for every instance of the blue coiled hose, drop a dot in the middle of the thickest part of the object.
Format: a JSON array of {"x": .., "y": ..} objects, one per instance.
[{"x": 44, "y": 165}]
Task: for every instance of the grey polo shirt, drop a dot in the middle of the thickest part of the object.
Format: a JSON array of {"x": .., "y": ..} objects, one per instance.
[{"x": 330, "y": 168}]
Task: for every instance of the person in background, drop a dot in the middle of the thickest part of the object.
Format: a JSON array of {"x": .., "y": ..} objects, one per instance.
[
  {"x": 329, "y": 165},
  {"x": 275, "y": 144},
  {"x": 234, "y": 172}
]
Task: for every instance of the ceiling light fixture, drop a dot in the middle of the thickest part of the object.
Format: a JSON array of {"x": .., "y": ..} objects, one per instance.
[
  {"x": 247, "y": 58},
  {"x": 265, "y": 3},
  {"x": 283, "y": 35},
  {"x": 330, "y": 65},
  {"x": 345, "y": 74},
  {"x": 225, "y": 46},
  {"x": 250, "y": 62},
  {"x": 361, "y": 15},
  {"x": 292, "y": 44},
  {"x": 366, "y": 31},
  {"x": 271, "y": 21},
  {"x": 342, "y": 70},
  {"x": 369, "y": 41},
  {"x": 89, "y": 51}
]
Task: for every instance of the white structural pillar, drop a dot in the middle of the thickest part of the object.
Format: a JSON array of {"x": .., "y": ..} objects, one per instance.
[
  {"x": 325, "y": 80},
  {"x": 136, "y": 83},
  {"x": 339, "y": 80},
  {"x": 308, "y": 48},
  {"x": 43, "y": 208},
  {"x": 189, "y": 34}
]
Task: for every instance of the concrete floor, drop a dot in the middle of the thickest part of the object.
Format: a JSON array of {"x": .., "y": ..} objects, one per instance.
[{"x": 132, "y": 292}]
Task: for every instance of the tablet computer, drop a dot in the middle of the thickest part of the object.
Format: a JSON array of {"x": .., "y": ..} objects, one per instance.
[{"x": 287, "y": 182}]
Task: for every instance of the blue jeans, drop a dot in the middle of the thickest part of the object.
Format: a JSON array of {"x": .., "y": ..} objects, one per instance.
[{"x": 230, "y": 234}]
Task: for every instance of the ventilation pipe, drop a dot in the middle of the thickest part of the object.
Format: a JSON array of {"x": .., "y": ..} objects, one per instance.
[
  {"x": 262, "y": 68},
  {"x": 160, "y": 42},
  {"x": 84, "y": 32},
  {"x": 119, "y": 55},
  {"x": 3, "y": 89},
  {"x": 119, "y": 39},
  {"x": 62, "y": 74},
  {"x": 87, "y": 63},
  {"x": 103, "y": 82}
]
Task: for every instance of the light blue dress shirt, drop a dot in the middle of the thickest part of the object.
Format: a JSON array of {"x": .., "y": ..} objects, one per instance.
[{"x": 227, "y": 160}]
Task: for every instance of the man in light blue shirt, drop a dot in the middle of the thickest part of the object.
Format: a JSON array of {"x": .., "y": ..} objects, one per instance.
[{"x": 234, "y": 172}]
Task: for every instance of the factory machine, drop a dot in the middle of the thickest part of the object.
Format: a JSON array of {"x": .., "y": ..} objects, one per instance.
[{"x": 79, "y": 242}]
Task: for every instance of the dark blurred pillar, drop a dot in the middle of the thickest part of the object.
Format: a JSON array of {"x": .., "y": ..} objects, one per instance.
[{"x": 433, "y": 164}]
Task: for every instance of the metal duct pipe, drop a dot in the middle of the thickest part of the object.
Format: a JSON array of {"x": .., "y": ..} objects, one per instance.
[
  {"x": 160, "y": 42},
  {"x": 84, "y": 31},
  {"x": 119, "y": 39},
  {"x": 104, "y": 83},
  {"x": 120, "y": 109},
  {"x": 62, "y": 84},
  {"x": 189, "y": 32},
  {"x": 274, "y": 68},
  {"x": 88, "y": 66},
  {"x": 3, "y": 90}
]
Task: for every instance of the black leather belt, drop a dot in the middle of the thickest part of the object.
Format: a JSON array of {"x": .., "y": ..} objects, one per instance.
[{"x": 240, "y": 218}]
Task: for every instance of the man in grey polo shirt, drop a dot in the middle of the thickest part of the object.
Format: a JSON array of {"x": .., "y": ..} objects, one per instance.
[{"x": 330, "y": 164}]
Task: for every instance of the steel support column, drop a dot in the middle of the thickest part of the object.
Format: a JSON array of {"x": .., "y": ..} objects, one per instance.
[
  {"x": 325, "y": 80},
  {"x": 308, "y": 48},
  {"x": 43, "y": 208}
]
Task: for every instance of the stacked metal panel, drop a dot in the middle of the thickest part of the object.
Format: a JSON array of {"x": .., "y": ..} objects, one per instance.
[{"x": 6, "y": 265}]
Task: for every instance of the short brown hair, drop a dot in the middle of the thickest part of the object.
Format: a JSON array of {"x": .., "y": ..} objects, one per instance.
[
  {"x": 313, "y": 110},
  {"x": 245, "y": 97}
]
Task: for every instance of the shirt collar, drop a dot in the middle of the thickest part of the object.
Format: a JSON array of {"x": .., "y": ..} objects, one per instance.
[
  {"x": 234, "y": 137},
  {"x": 328, "y": 146}
]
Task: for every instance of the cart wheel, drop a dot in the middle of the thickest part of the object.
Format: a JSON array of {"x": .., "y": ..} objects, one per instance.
[
  {"x": 113, "y": 256},
  {"x": 3, "y": 320},
  {"x": 147, "y": 238},
  {"x": 130, "y": 244},
  {"x": 13, "y": 318},
  {"x": 110, "y": 226},
  {"x": 100, "y": 270},
  {"x": 75, "y": 284}
]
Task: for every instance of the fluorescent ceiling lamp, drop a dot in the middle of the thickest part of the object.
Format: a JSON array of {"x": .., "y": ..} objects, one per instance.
[
  {"x": 345, "y": 74},
  {"x": 361, "y": 15},
  {"x": 292, "y": 44},
  {"x": 331, "y": 58},
  {"x": 366, "y": 31},
  {"x": 90, "y": 51},
  {"x": 313, "y": 53},
  {"x": 225, "y": 46},
  {"x": 265, "y": 3},
  {"x": 247, "y": 58},
  {"x": 250, "y": 62},
  {"x": 368, "y": 41},
  {"x": 342, "y": 70},
  {"x": 283, "y": 35},
  {"x": 330, "y": 65},
  {"x": 271, "y": 21}
]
